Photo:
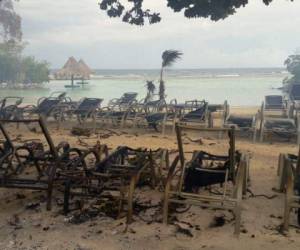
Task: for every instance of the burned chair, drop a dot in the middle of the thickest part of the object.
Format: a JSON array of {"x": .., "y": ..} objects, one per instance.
[
  {"x": 30, "y": 165},
  {"x": 113, "y": 179},
  {"x": 184, "y": 183},
  {"x": 289, "y": 182},
  {"x": 9, "y": 107}
]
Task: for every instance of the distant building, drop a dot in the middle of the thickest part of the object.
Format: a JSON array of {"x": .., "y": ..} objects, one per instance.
[{"x": 73, "y": 68}]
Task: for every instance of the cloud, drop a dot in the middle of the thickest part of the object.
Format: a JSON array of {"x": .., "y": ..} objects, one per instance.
[{"x": 256, "y": 36}]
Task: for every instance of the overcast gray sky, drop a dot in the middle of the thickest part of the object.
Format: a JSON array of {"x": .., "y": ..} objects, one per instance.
[{"x": 257, "y": 36}]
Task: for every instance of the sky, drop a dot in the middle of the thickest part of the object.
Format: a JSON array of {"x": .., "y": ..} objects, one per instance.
[{"x": 256, "y": 36}]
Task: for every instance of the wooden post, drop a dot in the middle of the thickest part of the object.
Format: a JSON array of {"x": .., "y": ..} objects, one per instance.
[
  {"x": 262, "y": 121},
  {"x": 232, "y": 150},
  {"x": 254, "y": 124}
]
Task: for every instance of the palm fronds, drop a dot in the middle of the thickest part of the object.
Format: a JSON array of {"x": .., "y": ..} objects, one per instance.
[
  {"x": 150, "y": 87},
  {"x": 169, "y": 57}
]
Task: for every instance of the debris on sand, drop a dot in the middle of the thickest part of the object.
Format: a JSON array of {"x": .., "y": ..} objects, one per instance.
[
  {"x": 183, "y": 230},
  {"x": 218, "y": 221},
  {"x": 32, "y": 206},
  {"x": 78, "y": 131}
]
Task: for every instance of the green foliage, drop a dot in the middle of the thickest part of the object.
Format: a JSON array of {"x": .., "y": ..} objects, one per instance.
[
  {"x": 34, "y": 71},
  {"x": 214, "y": 9},
  {"x": 292, "y": 64},
  {"x": 169, "y": 57},
  {"x": 17, "y": 69}
]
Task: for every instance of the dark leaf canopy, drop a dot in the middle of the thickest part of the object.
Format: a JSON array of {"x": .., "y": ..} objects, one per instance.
[
  {"x": 213, "y": 9},
  {"x": 169, "y": 57}
]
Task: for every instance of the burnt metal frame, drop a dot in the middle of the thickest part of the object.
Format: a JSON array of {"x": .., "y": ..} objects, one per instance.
[
  {"x": 144, "y": 166},
  {"x": 232, "y": 203},
  {"x": 51, "y": 160},
  {"x": 288, "y": 172},
  {"x": 27, "y": 183}
]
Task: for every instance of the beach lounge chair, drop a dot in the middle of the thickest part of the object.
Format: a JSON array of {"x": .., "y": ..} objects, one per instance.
[
  {"x": 55, "y": 106},
  {"x": 114, "y": 178},
  {"x": 87, "y": 108},
  {"x": 9, "y": 107},
  {"x": 205, "y": 170},
  {"x": 289, "y": 182},
  {"x": 278, "y": 126},
  {"x": 124, "y": 102},
  {"x": 245, "y": 125},
  {"x": 198, "y": 114},
  {"x": 274, "y": 102}
]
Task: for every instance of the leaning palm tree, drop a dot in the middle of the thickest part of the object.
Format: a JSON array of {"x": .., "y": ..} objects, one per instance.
[{"x": 168, "y": 58}]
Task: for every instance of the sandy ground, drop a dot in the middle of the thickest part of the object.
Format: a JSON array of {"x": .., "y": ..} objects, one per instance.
[{"x": 22, "y": 228}]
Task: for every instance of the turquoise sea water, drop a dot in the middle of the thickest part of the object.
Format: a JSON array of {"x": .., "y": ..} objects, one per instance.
[{"x": 241, "y": 87}]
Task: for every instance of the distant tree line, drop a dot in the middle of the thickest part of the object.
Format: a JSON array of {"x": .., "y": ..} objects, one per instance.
[
  {"x": 14, "y": 67},
  {"x": 137, "y": 15},
  {"x": 292, "y": 64}
]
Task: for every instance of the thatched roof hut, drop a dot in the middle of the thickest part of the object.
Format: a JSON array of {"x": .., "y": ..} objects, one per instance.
[
  {"x": 75, "y": 69},
  {"x": 83, "y": 66}
]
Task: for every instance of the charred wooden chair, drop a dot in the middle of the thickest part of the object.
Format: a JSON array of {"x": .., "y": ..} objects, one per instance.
[
  {"x": 113, "y": 178},
  {"x": 205, "y": 170},
  {"x": 289, "y": 182},
  {"x": 32, "y": 166},
  {"x": 9, "y": 107}
]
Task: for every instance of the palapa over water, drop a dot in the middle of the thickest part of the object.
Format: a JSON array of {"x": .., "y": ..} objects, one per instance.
[{"x": 75, "y": 69}]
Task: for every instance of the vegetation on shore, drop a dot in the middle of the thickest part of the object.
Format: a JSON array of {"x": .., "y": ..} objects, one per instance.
[
  {"x": 292, "y": 64},
  {"x": 14, "y": 67}
]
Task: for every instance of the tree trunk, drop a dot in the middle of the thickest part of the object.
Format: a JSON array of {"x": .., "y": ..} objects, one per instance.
[{"x": 161, "y": 86}]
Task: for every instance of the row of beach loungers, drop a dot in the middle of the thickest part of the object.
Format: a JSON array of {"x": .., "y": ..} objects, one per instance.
[{"x": 275, "y": 119}]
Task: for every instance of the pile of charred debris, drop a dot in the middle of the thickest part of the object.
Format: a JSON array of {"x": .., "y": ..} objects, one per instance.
[{"x": 88, "y": 182}]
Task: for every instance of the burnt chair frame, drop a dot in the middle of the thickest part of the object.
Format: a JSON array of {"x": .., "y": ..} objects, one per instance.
[
  {"x": 232, "y": 202},
  {"x": 29, "y": 183},
  {"x": 130, "y": 175},
  {"x": 51, "y": 159},
  {"x": 288, "y": 173}
]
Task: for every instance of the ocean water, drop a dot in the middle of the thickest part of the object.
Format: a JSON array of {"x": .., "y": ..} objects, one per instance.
[{"x": 240, "y": 87}]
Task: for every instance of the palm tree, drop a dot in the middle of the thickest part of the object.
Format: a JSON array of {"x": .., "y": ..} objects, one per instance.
[
  {"x": 150, "y": 90},
  {"x": 168, "y": 58}
]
